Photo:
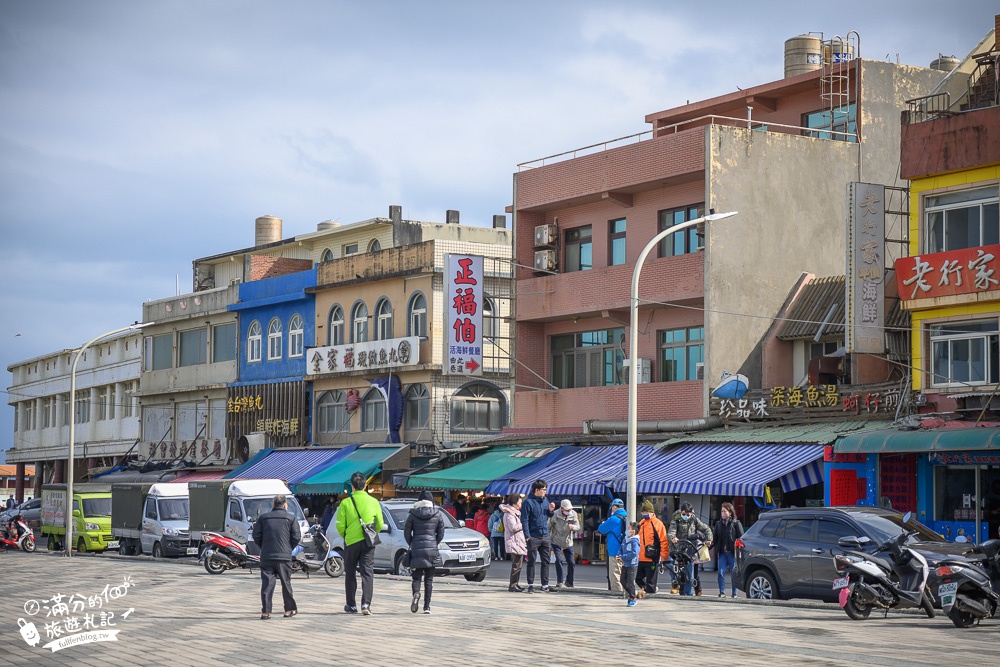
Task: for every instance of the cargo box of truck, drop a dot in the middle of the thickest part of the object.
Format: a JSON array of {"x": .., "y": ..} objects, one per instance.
[{"x": 151, "y": 519}]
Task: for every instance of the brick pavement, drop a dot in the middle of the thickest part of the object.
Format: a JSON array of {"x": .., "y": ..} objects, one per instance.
[{"x": 184, "y": 616}]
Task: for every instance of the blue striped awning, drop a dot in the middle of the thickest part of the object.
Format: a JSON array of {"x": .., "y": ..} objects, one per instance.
[
  {"x": 730, "y": 469},
  {"x": 290, "y": 465},
  {"x": 587, "y": 471}
]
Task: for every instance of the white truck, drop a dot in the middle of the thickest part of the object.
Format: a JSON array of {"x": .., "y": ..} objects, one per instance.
[{"x": 151, "y": 519}]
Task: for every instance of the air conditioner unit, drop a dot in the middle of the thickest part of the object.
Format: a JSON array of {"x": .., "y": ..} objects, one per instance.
[
  {"x": 257, "y": 442},
  {"x": 545, "y": 235},
  {"x": 645, "y": 371},
  {"x": 545, "y": 260},
  {"x": 699, "y": 370}
]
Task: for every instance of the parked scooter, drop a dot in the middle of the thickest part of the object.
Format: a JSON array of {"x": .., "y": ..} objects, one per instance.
[
  {"x": 17, "y": 535},
  {"x": 223, "y": 553},
  {"x": 324, "y": 556},
  {"x": 868, "y": 581},
  {"x": 970, "y": 588}
]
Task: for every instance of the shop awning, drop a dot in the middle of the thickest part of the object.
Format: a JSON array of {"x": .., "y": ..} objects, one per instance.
[
  {"x": 895, "y": 441},
  {"x": 477, "y": 473},
  {"x": 502, "y": 485},
  {"x": 291, "y": 465},
  {"x": 730, "y": 469},
  {"x": 335, "y": 477},
  {"x": 587, "y": 471}
]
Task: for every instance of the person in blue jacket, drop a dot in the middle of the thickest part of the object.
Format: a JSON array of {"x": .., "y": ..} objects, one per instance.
[
  {"x": 628, "y": 558},
  {"x": 614, "y": 528},
  {"x": 535, "y": 513}
]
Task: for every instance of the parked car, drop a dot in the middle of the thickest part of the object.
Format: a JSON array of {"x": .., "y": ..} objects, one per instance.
[
  {"x": 463, "y": 551},
  {"x": 31, "y": 511},
  {"x": 786, "y": 554}
]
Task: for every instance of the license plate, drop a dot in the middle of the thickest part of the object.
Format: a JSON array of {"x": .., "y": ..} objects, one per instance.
[
  {"x": 113, "y": 545},
  {"x": 947, "y": 589},
  {"x": 467, "y": 558},
  {"x": 843, "y": 582},
  {"x": 192, "y": 551}
]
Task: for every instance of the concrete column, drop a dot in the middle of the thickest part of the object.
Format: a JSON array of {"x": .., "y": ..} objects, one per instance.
[
  {"x": 58, "y": 475},
  {"x": 19, "y": 484},
  {"x": 39, "y": 477}
]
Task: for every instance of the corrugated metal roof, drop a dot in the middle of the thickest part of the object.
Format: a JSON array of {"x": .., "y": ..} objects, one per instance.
[
  {"x": 818, "y": 433},
  {"x": 810, "y": 309}
]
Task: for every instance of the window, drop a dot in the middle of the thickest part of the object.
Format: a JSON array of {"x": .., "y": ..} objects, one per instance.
[
  {"x": 296, "y": 336},
  {"x": 830, "y": 532},
  {"x": 130, "y": 396},
  {"x": 359, "y": 323},
  {"x": 681, "y": 350},
  {"x": 351, "y": 249},
  {"x": 253, "y": 342},
  {"x": 335, "y": 333},
  {"x": 587, "y": 359},
  {"x": 274, "y": 339},
  {"x": 416, "y": 407},
  {"x": 112, "y": 400},
  {"x": 151, "y": 508},
  {"x": 224, "y": 342},
  {"x": 327, "y": 255},
  {"x": 374, "y": 246},
  {"x": 64, "y": 401},
  {"x": 81, "y": 414},
  {"x": 331, "y": 413},
  {"x": 616, "y": 242},
  {"x": 234, "y": 510},
  {"x": 417, "y": 316},
  {"x": 685, "y": 241},
  {"x": 798, "y": 529},
  {"x": 383, "y": 319},
  {"x": 839, "y": 120},
  {"x": 824, "y": 348},
  {"x": 102, "y": 404},
  {"x": 964, "y": 353},
  {"x": 48, "y": 411},
  {"x": 29, "y": 415},
  {"x": 579, "y": 249},
  {"x": 159, "y": 352},
  {"x": 966, "y": 219},
  {"x": 478, "y": 407},
  {"x": 193, "y": 347},
  {"x": 373, "y": 417},
  {"x": 490, "y": 328}
]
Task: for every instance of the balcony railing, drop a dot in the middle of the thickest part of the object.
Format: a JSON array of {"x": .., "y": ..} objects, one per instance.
[{"x": 928, "y": 107}]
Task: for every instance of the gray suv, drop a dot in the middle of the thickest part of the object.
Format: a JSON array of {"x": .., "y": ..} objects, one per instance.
[
  {"x": 463, "y": 550},
  {"x": 786, "y": 554}
]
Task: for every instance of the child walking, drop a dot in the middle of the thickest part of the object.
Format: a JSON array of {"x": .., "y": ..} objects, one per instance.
[{"x": 628, "y": 556}]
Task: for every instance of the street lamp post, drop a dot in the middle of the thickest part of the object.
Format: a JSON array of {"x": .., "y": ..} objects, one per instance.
[
  {"x": 72, "y": 428},
  {"x": 633, "y": 347}
]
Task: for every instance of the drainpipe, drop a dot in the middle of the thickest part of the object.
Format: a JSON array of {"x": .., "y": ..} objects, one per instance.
[{"x": 652, "y": 426}]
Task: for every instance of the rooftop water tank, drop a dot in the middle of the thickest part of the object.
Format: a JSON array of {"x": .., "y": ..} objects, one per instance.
[
  {"x": 803, "y": 54},
  {"x": 945, "y": 63},
  {"x": 839, "y": 51},
  {"x": 268, "y": 230}
]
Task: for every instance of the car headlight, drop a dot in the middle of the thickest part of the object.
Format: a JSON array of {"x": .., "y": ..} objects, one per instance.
[
  {"x": 484, "y": 543},
  {"x": 171, "y": 532},
  {"x": 443, "y": 547},
  {"x": 91, "y": 526}
]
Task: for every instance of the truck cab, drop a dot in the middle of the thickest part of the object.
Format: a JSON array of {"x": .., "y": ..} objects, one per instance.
[{"x": 165, "y": 522}]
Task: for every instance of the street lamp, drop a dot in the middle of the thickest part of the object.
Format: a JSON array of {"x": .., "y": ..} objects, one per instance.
[
  {"x": 72, "y": 427},
  {"x": 633, "y": 346}
]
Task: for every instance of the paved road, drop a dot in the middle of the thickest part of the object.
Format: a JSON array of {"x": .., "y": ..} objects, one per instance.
[{"x": 183, "y": 616}]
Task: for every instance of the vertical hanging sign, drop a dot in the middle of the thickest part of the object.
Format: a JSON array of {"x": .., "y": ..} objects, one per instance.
[
  {"x": 463, "y": 352},
  {"x": 865, "y": 298}
]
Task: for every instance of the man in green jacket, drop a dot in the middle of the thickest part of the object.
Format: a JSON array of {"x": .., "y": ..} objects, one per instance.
[{"x": 357, "y": 508}]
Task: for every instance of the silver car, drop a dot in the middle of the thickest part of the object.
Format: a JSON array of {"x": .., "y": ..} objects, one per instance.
[{"x": 463, "y": 550}]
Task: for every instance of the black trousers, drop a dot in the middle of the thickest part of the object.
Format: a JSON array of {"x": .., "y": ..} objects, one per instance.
[
  {"x": 354, "y": 555},
  {"x": 270, "y": 571},
  {"x": 427, "y": 573},
  {"x": 647, "y": 574},
  {"x": 516, "y": 561},
  {"x": 540, "y": 549}
]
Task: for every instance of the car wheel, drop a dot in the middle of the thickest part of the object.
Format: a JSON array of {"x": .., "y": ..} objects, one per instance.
[
  {"x": 760, "y": 586},
  {"x": 81, "y": 546},
  {"x": 400, "y": 569},
  {"x": 157, "y": 550},
  {"x": 477, "y": 576},
  {"x": 51, "y": 544}
]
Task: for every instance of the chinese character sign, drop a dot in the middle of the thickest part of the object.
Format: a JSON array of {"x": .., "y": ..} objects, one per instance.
[
  {"x": 463, "y": 299},
  {"x": 866, "y": 268},
  {"x": 965, "y": 271}
]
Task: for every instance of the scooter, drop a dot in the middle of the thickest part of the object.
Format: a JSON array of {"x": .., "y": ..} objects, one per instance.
[
  {"x": 970, "y": 588},
  {"x": 223, "y": 553},
  {"x": 324, "y": 557},
  {"x": 868, "y": 581},
  {"x": 18, "y": 535}
]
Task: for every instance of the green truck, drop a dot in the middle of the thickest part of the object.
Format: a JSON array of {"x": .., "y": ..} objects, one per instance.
[{"x": 91, "y": 517}]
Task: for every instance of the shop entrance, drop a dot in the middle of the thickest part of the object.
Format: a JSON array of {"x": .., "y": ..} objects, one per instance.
[{"x": 967, "y": 501}]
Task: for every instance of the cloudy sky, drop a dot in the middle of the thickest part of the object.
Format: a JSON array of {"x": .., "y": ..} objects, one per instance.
[{"x": 138, "y": 136}]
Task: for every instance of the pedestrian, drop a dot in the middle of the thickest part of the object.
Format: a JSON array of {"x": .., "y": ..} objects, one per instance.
[
  {"x": 728, "y": 529},
  {"x": 628, "y": 560},
  {"x": 562, "y": 526},
  {"x": 423, "y": 532},
  {"x": 327, "y": 515},
  {"x": 357, "y": 508},
  {"x": 481, "y": 520},
  {"x": 655, "y": 547},
  {"x": 686, "y": 526},
  {"x": 496, "y": 533},
  {"x": 535, "y": 513},
  {"x": 614, "y": 529},
  {"x": 276, "y": 533},
  {"x": 514, "y": 542},
  {"x": 462, "y": 508},
  {"x": 11, "y": 503}
]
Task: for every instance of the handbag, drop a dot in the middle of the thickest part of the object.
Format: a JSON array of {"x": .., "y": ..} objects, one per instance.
[
  {"x": 367, "y": 529},
  {"x": 703, "y": 555}
]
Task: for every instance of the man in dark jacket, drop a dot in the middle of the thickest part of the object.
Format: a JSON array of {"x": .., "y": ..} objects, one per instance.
[
  {"x": 277, "y": 533},
  {"x": 423, "y": 532},
  {"x": 535, "y": 513}
]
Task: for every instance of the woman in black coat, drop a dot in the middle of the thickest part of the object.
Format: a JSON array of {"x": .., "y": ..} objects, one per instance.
[{"x": 423, "y": 531}]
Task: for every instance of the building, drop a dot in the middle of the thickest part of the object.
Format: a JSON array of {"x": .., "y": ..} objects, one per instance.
[{"x": 17, "y": 479}]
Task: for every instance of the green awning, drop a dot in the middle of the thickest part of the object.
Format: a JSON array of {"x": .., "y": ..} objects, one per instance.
[
  {"x": 895, "y": 441},
  {"x": 336, "y": 477},
  {"x": 477, "y": 473}
]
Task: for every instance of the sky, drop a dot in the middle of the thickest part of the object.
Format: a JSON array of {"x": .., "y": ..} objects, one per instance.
[{"x": 136, "y": 137}]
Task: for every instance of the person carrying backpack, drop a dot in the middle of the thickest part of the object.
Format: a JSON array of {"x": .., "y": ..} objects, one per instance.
[
  {"x": 614, "y": 528},
  {"x": 654, "y": 548},
  {"x": 496, "y": 533}
]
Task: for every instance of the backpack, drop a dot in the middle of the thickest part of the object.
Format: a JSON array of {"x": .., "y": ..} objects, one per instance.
[{"x": 496, "y": 522}]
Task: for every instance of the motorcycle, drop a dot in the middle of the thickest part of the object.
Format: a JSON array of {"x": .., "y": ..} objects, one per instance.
[
  {"x": 325, "y": 557},
  {"x": 223, "y": 553},
  {"x": 970, "y": 588},
  {"x": 868, "y": 581},
  {"x": 17, "y": 535}
]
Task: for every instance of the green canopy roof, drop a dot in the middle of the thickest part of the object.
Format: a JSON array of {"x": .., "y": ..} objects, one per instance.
[
  {"x": 476, "y": 473},
  {"x": 823, "y": 433},
  {"x": 333, "y": 479},
  {"x": 937, "y": 440}
]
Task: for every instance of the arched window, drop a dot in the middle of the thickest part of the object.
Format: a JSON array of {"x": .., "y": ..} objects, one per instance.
[
  {"x": 373, "y": 416},
  {"x": 274, "y": 339},
  {"x": 374, "y": 246},
  {"x": 490, "y": 324},
  {"x": 331, "y": 413},
  {"x": 359, "y": 323},
  {"x": 335, "y": 334},
  {"x": 416, "y": 407},
  {"x": 253, "y": 341},
  {"x": 478, "y": 407},
  {"x": 296, "y": 336},
  {"x": 327, "y": 255},
  {"x": 416, "y": 316},
  {"x": 383, "y": 319}
]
